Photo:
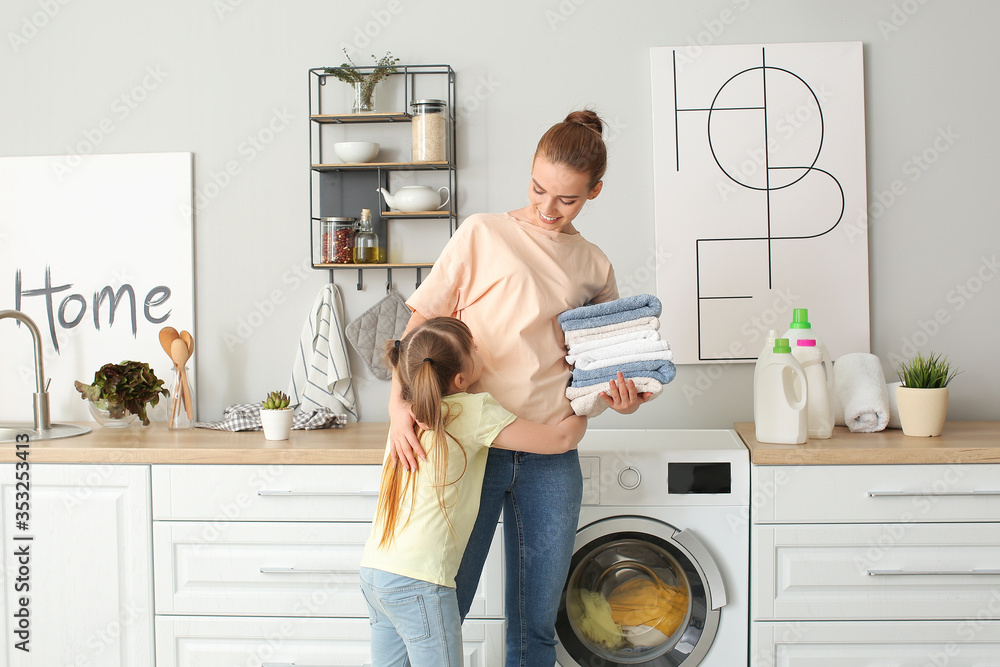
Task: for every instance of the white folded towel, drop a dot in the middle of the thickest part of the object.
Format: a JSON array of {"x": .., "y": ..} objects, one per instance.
[
  {"x": 861, "y": 392},
  {"x": 586, "y": 346},
  {"x": 638, "y": 324},
  {"x": 587, "y": 400},
  {"x": 321, "y": 372},
  {"x": 623, "y": 353}
]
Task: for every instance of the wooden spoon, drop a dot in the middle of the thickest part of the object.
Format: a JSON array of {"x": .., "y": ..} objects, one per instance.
[
  {"x": 179, "y": 353},
  {"x": 167, "y": 337},
  {"x": 189, "y": 341}
]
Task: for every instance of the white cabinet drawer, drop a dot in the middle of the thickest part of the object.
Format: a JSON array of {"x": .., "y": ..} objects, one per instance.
[
  {"x": 225, "y": 493},
  {"x": 875, "y": 571},
  {"x": 876, "y": 493},
  {"x": 277, "y": 569},
  {"x": 877, "y": 644},
  {"x": 183, "y": 641}
]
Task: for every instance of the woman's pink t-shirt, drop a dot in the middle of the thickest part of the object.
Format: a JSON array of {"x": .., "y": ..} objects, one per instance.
[{"x": 508, "y": 280}]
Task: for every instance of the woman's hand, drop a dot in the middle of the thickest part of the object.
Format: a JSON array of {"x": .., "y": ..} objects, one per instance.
[
  {"x": 622, "y": 396},
  {"x": 403, "y": 444}
]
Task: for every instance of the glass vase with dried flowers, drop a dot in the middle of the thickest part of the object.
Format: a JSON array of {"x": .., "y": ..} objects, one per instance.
[{"x": 364, "y": 82}]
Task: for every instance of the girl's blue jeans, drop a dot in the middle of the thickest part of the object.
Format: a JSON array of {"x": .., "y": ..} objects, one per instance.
[
  {"x": 540, "y": 497},
  {"x": 413, "y": 623}
]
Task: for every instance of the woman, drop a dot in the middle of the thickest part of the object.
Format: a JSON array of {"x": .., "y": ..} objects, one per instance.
[{"x": 508, "y": 276}]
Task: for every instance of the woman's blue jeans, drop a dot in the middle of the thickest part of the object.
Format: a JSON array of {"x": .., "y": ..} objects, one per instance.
[
  {"x": 540, "y": 497},
  {"x": 413, "y": 623}
]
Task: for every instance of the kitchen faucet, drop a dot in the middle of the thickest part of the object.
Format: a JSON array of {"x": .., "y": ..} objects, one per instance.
[{"x": 41, "y": 396}]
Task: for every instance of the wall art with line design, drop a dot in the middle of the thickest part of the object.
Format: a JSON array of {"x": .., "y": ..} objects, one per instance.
[{"x": 760, "y": 195}]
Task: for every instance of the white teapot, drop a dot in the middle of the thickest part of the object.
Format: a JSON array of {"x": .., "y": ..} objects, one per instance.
[{"x": 415, "y": 198}]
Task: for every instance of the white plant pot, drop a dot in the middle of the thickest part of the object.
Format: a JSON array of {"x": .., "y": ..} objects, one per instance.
[
  {"x": 922, "y": 412},
  {"x": 277, "y": 423}
]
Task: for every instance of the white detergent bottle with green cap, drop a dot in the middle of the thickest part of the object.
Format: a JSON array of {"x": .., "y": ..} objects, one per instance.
[
  {"x": 800, "y": 328},
  {"x": 762, "y": 358},
  {"x": 820, "y": 415},
  {"x": 779, "y": 412}
]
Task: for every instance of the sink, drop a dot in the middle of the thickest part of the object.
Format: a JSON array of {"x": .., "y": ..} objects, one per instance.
[{"x": 10, "y": 430}]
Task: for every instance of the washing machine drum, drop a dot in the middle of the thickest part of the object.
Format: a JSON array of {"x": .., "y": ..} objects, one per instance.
[{"x": 639, "y": 592}]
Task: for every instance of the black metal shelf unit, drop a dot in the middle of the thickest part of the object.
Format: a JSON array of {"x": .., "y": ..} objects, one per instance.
[{"x": 339, "y": 189}]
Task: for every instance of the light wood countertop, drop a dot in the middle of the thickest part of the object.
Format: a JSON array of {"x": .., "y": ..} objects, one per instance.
[
  {"x": 355, "y": 443},
  {"x": 961, "y": 442}
]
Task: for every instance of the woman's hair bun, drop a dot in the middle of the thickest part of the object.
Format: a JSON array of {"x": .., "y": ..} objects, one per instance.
[{"x": 587, "y": 118}]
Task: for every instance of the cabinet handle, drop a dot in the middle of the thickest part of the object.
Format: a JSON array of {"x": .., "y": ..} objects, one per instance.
[
  {"x": 929, "y": 573},
  {"x": 298, "y": 570},
  {"x": 286, "y": 492},
  {"x": 885, "y": 494},
  {"x": 291, "y": 664}
]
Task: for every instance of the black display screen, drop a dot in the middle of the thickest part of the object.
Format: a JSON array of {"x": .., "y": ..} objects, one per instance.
[{"x": 690, "y": 478}]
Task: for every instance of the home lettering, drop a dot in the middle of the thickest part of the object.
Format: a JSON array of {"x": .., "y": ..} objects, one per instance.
[{"x": 71, "y": 310}]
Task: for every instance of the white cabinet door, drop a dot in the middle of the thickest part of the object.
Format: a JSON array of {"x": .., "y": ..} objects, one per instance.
[
  {"x": 875, "y": 571},
  {"x": 88, "y": 566},
  {"x": 876, "y": 493},
  {"x": 223, "y": 494},
  {"x": 877, "y": 643},
  {"x": 218, "y": 641},
  {"x": 264, "y": 568}
]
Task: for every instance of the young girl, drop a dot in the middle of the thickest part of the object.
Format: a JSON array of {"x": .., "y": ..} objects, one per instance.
[{"x": 425, "y": 516}]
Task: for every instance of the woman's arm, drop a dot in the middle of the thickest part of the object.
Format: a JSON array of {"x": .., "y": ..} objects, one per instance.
[
  {"x": 403, "y": 442},
  {"x": 524, "y": 436}
]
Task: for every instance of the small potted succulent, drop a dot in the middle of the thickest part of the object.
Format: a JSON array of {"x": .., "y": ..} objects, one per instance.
[
  {"x": 276, "y": 416},
  {"x": 121, "y": 392},
  {"x": 364, "y": 83},
  {"x": 923, "y": 396}
]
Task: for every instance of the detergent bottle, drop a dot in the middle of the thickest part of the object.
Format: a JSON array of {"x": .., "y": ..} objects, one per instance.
[
  {"x": 818, "y": 408},
  {"x": 779, "y": 412},
  {"x": 762, "y": 358},
  {"x": 801, "y": 328}
]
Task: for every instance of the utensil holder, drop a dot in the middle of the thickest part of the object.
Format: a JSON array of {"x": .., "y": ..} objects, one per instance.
[{"x": 181, "y": 400}]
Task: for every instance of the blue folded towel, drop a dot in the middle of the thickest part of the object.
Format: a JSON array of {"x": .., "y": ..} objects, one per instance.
[
  {"x": 663, "y": 371},
  {"x": 610, "y": 312}
]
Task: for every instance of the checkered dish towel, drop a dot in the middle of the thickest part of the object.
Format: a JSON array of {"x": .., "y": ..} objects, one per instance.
[{"x": 246, "y": 417}]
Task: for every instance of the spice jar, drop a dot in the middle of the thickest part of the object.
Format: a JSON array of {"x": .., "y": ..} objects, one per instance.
[
  {"x": 338, "y": 240},
  {"x": 430, "y": 131},
  {"x": 366, "y": 245}
]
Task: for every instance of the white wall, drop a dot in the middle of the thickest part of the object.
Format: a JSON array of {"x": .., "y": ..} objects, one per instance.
[{"x": 204, "y": 76}]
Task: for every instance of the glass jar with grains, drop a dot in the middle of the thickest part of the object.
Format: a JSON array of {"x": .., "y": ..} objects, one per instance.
[{"x": 430, "y": 130}]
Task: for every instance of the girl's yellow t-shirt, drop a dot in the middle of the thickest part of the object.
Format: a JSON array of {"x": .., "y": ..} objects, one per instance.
[
  {"x": 425, "y": 547},
  {"x": 508, "y": 280}
]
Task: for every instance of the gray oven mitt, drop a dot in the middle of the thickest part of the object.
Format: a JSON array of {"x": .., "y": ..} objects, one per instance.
[{"x": 384, "y": 321}]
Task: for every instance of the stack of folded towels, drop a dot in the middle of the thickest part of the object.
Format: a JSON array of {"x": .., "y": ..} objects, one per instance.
[{"x": 612, "y": 337}]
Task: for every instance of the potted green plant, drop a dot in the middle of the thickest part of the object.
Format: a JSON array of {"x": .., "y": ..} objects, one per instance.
[
  {"x": 276, "y": 416},
  {"x": 923, "y": 397},
  {"x": 364, "y": 82},
  {"x": 121, "y": 392}
]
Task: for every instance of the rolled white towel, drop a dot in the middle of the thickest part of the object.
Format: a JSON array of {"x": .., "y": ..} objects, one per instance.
[
  {"x": 623, "y": 353},
  {"x": 861, "y": 392}
]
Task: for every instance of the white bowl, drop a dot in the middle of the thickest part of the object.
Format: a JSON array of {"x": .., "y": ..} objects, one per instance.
[{"x": 356, "y": 151}]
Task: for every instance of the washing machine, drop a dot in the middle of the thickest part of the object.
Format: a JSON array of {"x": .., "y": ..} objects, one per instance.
[{"x": 660, "y": 570}]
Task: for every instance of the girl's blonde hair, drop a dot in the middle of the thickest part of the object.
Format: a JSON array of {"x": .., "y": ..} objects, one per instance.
[{"x": 425, "y": 362}]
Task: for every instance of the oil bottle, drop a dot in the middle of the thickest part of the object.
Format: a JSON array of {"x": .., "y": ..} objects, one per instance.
[{"x": 366, "y": 245}]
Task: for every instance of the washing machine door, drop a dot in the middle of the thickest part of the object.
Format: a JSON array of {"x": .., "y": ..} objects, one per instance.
[{"x": 639, "y": 592}]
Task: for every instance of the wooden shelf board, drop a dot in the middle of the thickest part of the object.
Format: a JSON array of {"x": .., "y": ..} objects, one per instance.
[
  {"x": 380, "y": 165},
  {"x": 395, "y": 117},
  {"x": 415, "y": 214},
  {"x": 425, "y": 265}
]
